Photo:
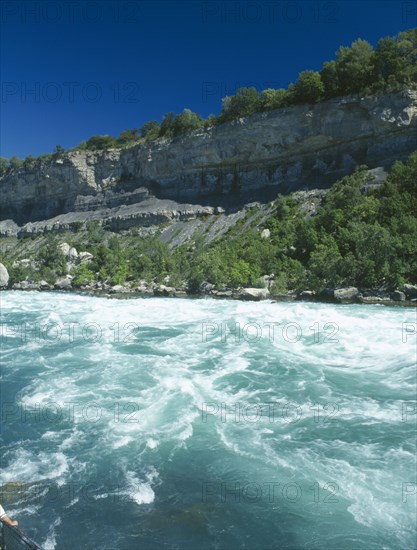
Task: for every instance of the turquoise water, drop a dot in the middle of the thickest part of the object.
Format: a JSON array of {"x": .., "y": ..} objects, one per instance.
[{"x": 176, "y": 423}]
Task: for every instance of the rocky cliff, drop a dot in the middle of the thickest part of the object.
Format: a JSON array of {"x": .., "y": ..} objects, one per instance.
[{"x": 253, "y": 158}]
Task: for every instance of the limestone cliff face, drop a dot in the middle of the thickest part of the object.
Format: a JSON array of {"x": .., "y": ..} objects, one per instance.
[{"x": 252, "y": 158}]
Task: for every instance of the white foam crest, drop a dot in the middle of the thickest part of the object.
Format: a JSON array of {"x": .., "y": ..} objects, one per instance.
[
  {"x": 75, "y": 436},
  {"x": 27, "y": 466},
  {"x": 139, "y": 491},
  {"x": 53, "y": 318},
  {"x": 158, "y": 312},
  {"x": 72, "y": 502},
  {"x": 187, "y": 433},
  {"x": 101, "y": 496},
  {"x": 50, "y": 542},
  {"x": 122, "y": 442}
]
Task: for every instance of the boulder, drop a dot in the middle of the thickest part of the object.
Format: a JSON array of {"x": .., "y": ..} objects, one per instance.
[
  {"x": 64, "y": 283},
  {"x": 163, "y": 290},
  {"x": 206, "y": 288},
  {"x": 410, "y": 291},
  {"x": 65, "y": 248},
  {"x": 43, "y": 285},
  {"x": 72, "y": 254},
  {"x": 118, "y": 289},
  {"x": 85, "y": 257},
  {"x": 265, "y": 234},
  {"x": 144, "y": 288},
  {"x": 32, "y": 285},
  {"x": 347, "y": 294},
  {"x": 8, "y": 228},
  {"x": 222, "y": 293},
  {"x": 267, "y": 280},
  {"x": 254, "y": 294},
  {"x": 398, "y": 296},
  {"x": 4, "y": 276},
  {"x": 27, "y": 285}
]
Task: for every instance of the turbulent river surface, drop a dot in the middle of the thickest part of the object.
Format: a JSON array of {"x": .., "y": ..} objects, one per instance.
[{"x": 185, "y": 424}]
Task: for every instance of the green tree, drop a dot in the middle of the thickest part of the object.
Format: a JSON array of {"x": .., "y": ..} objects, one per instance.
[
  {"x": 29, "y": 163},
  {"x": 309, "y": 87},
  {"x": 150, "y": 130},
  {"x": 186, "y": 122},
  {"x": 396, "y": 58},
  {"x": 355, "y": 67},
  {"x": 211, "y": 120},
  {"x": 167, "y": 125},
  {"x": 324, "y": 264},
  {"x": 127, "y": 137},
  {"x": 330, "y": 79},
  {"x": 274, "y": 99},
  {"x": 246, "y": 102},
  {"x": 15, "y": 163},
  {"x": 241, "y": 273}
]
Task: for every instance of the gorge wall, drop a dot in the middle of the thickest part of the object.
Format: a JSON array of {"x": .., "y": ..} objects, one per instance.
[{"x": 253, "y": 158}]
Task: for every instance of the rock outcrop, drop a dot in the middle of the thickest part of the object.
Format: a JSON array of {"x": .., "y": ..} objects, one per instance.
[
  {"x": 253, "y": 158},
  {"x": 4, "y": 276}
]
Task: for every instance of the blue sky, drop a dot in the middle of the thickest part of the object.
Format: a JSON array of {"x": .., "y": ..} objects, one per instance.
[{"x": 70, "y": 70}]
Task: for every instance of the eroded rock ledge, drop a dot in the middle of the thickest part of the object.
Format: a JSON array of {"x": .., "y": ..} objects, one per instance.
[{"x": 224, "y": 167}]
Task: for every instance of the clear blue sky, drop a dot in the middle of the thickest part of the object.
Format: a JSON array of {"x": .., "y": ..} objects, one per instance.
[{"x": 70, "y": 70}]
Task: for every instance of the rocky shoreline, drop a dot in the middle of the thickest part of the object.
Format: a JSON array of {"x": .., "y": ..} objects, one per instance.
[{"x": 407, "y": 297}]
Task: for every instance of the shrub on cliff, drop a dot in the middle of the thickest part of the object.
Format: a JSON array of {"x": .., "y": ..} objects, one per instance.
[
  {"x": 274, "y": 99},
  {"x": 128, "y": 137},
  {"x": 100, "y": 142},
  {"x": 15, "y": 163},
  {"x": 309, "y": 88},
  {"x": 247, "y": 101},
  {"x": 185, "y": 122},
  {"x": 396, "y": 58},
  {"x": 150, "y": 130}
]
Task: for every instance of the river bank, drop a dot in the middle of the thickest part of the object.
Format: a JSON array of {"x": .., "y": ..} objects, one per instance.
[{"x": 351, "y": 295}]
